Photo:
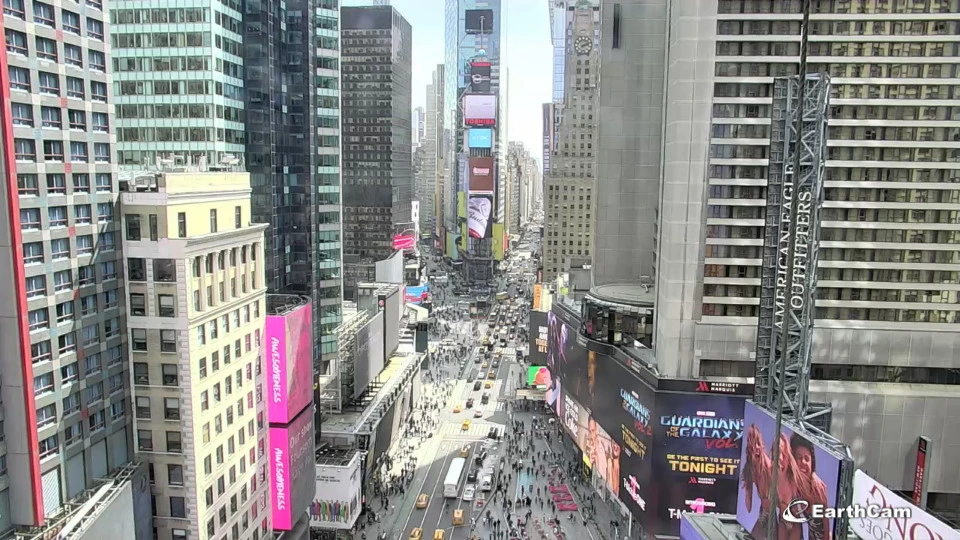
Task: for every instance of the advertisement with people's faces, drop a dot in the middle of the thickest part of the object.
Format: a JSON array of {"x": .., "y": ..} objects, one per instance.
[
  {"x": 697, "y": 455},
  {"x": 806, "y": 472},
  {"x": 558, "y": 343},
  {"x": 480, "y": 216}
]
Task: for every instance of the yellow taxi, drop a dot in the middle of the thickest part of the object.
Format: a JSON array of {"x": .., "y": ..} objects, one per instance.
[
  {"x": 458, "y": 517},
  {"x": 416, "y": 534},
  {"x": 465, "y": 451},
  {"x": 465, "y": 426},
  {"x": 439, "y": 534},
  {"x": 491, "y": 374},
  {"x": 457, "y": 408},
  {"x": 422, "y": 501},
  {"x": 483, "y": 365},
  {"x": 488, "y": 384}
]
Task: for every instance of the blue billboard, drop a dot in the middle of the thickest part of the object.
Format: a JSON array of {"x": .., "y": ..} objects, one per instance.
[
  {"x": 415, "y": 295},
  {"x": 480, "y": 138}
]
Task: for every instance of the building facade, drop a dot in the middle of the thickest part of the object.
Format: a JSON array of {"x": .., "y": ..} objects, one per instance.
[
  {"x": 196, "y": 306},
  {"x": 569, "y": 186},
  {"x": 183, "y": 102},
  {"x": 292, "y": 78},
  {"x": 434, "y": 162},
  {"x": 377, "y": 171},
  {"x": 65, "y": 395}
]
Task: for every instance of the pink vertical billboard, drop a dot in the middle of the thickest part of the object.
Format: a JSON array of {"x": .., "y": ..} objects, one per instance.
[
  {"x": 289, "y": 354},
  {"x": 292, "y": 483}
]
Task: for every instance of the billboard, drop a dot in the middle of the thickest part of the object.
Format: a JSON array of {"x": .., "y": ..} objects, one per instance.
[
  {"x": 480, "y": 138},
  {"x": 336, "y": 500},
  {"x": 289, "y": 339},
  {"x": 415, "y": 295},
  {"x": 697, "y": 456},
  {"x": 479, "y": 109},
  {"x": 368, "y": 353},
  {"x": 291, "y": 467},
  {"x": 480, "y": 216},
  {"x": 537, "y": 295},
  {"x": 538, "y": 376},
  {"x": 499, "y": 241},
  {"x": 809, "y": 473},
  {"x": 481, "y": 175},
  {"x": 896, "y": 518},
  {"x": 538, "y": 338},
  {"x": 478, "y": 21},
  {"x": 461, "y": 205},
  {"x": 390, "y": 306},
  {"x": 480, "y": 77}
]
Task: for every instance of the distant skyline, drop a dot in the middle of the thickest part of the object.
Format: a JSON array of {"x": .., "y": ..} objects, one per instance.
[{"x": 529, "y": 59}]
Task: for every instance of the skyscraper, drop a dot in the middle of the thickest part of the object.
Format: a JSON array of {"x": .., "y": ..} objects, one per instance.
[
  {"x": 64, "y": 390},
  {"x": 418, "y": 126},
  {"x": 184, "y": 100},
  {"x": 292, "y": 80},
  {"x": 569, "y": 186},
  {"x": 434, "y": 162},
  {"x": 377, "y": 172}
]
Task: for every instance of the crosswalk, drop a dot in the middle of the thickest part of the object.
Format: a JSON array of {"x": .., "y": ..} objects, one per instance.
[{"x": 477, "y": 430}]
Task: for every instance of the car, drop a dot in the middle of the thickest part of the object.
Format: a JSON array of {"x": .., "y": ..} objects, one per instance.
[
  {"x": 483, "y": 365},
  {"x": 477, "y": 413},
  {"x": 422, "y": 501},
  {"x": 465, "y": 451},
  {"x": 458, "y": 517},
  {"x": 469, "y": 492},
  {"x": 493, "y": 433},
  {"x": 472, "y": 476},
  {"x": 478, "y": 459},
  {"x": 487, "y": 384},
  {"x": 476, "y": 385},
  {"x": 470, "y": 403},
  {"x": 485, "y": 398},
  {"x": 465, "y": 426},
  {"x": 495, "y": 364},
  {"x": 457, "y": 408},
  {"x": 416, "y": 533},
  {"x": 491, "y": 374},
  {"x": 477, "y": 359}
]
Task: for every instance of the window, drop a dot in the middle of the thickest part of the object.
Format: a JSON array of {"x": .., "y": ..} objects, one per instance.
[
  {"x": 73, "y": 434},
  {"x": 30, "y": 219},
  {"x": 46, "y": 49},
  {"x": 33, "y": 252},
  {"x": 81, "y": 184},
  {"x": 143, "y": 407},
  {"x": 38, "y": 319},
  {"x": 43, "y": 383},
  {"x": 174, "y": 442},
  {"x": 88, "y": 305},
  {"x": 73, "y": 55},
  {"x": 98, "y": 91},
  {"x": 181, "y": 225},
  {"x": 50, "y": 117},
  {"x": 78, "y": 152},
  {"x": 137, "y": 269},
  {"x": 104, "y": 212},
  {"x": 16, "y": 42},
  {"x": 153, "y": 227},
  {"x": 145, "y": 440},
  {"x": 104, "y": 183},
  {"x": 56, "y": 184},
  {"x": 94, "y": 393},
  {"x": 115, "y": 384},
  {"x": 65, "y": 312},
  {"x": 36, "y": 286},
  {"x": 98, "y": 61},
  {"x": 47, "y": 415},
  {"x": 139, "y": 339},
  {"x": 82, "y": 214},
  {"x": 44, "y": 14},
  {"x": 204, "y": 401},
  {"x": 133, "y": 227},
  {"x": 165, "y": 306},
  {"x": 62, "y": 280},
  {"x": 164, "y": 270},
  {"x": 178, "y": 534},
  {"x": 96, "y": 421},
  {"x": 77, "y": 120},
  {"x": 101, "y": 152},
  {"x": 201, "y": 335},
  {"x": 213, "y": 220},
  {"x": 53, "y": 150},
  {"x": 117, "y": 410},
  {"x": 25, "y": 150},
  {"x": 86, "y": 275},
  {"x": 19, "y": 78},
  {"x": 168, "y": 341},
  {"x": 60, "y": 247},
  {"x": 170, "y": 375},
  {"x": 40, "y": 352},
  {"x": 175, "y": 474},
  {"x": 49, "y": 447},
  {"x": 94, "y": 29},
  {"x": 70, "y": 21},
  {"x": 14, "y": 8},
  {"x": 109, "y": 268},
  {"x": 85, "y": 244},
  {"x": 71, "y": 404},
  {"x": 49, "y": 83},
  {"x": 171, "y": 408},
  {"x": 101, "y": 122},
  {"x": 22, "y": 114},
  {"x": 70, "y": 373},
  {"x": 91, "y": 364},
  {"x": 110, "y": 299},
  {"x": 27, "y": 185},
  {"x": 75, "y": 88},
  {"x": 138, "y": 304},
  {"x": 237, "y": 216},
  {"x": 67, "y": 343},
  {"x": 57, "y": 216}
]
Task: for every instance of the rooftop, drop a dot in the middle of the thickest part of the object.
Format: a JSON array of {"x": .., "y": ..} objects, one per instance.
[
  {"x": 335, "y": 457},
  {"x": 182, "y": 183},
  {"x": 623, "y": 294}
]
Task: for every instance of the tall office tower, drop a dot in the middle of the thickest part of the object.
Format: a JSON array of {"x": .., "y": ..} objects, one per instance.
[
  {"x": 64, "y": 390},
  {"x": 528, "y": 179},
  {"x": 518, "y": 160},
  {"x": 434, "y": 162},
  {"x": 569, "y": 203},
  {"x": 468, "y": 32},
  {"x": 418, "y": 126},
  {"x": 416, "y": 163},
  {"x": 377, "y": 173},
  {"x": 293, "y": 153},
  {"x": 196, "y": 308},
  {"x": 178, "y": 82}
]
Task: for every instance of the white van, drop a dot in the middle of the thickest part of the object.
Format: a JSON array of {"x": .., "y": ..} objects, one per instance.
[{"x": 486, "y": 482}]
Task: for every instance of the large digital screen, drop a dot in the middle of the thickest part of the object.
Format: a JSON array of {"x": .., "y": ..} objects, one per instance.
[
  {"x": 481, "y": 175},
  {"x": 417, "y": 294},
  {"x": 808, "y": 472},
  {"x": 538, "y": 338},
  {"x": 900, "y": 519},
  {"x": 337, "y": 498},
  {"x": 697, "y": 456},
  {"x": 479, "y": 109},
  {"x": 478, "y": 21},
  {"x": 480, "y": 138},
  {"x": 480, "y": 77},
  {"x": 538, "y": 376},
  {"x": 291, "y": 470},
  {"x": 559, "y": 343},
  {"x": 480, "y": 216},
  {"x": 289, "y": 341},
  {"x": 368, "y": 354}
]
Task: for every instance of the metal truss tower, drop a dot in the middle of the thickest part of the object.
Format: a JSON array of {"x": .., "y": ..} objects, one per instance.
[{"x": 790, "y": 247}]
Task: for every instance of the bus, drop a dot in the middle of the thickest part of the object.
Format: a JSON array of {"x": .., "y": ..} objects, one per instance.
[{"x": 451, "y": 484}]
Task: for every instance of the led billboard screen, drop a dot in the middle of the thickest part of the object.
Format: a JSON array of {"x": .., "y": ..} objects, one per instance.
[
  {"x": 480, "y": 77},
  {"x": 289, "y": 350},
  {"x": 538, "y": 338},
  {"x": 480, "y": 216},
  {"x": 480, "y": 138},
  {"x": 697, "y": 456},
  {"x": 368, "y": 357},
  {"x": 415, "y": 295},
  {"x": 810, "y": 472},
  {"x": 291, "y": 470},
  {"x": 478, "y": 21},
  {"x": 908, "y": 522},
  {"x": 538, "y": 376},
  {"x": 479, "y": 109},
  {"x": 337, "y": 498},
  {"x": 481, "y": 175}
]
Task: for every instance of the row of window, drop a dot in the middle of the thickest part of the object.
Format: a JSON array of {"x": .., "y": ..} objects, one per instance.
[
  {"x": 212, "y": 328},
  {"x": 52, "y": 118},
  {"x": 58, "y": 216},
  {"x": 843, "y": 372},
  {"x": 25, "y": 150},
  {"x": 45, "y": 15},
  {"x": 41, "y": 351},
  {"x": 49, "y": 84},
  {"x": 92, "y": 363},
  {"x": 46, "y": 49},
  {"x": 73, "y": 433},
  {"x": 180, "y": 110},
  {"x": 180, "y": 134},
  {"x": 847, "y": 314},
  {"x": 47, "y": 415}
]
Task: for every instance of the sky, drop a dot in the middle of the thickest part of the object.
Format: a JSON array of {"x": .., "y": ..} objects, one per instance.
[{"x": 529, "y": 58}]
